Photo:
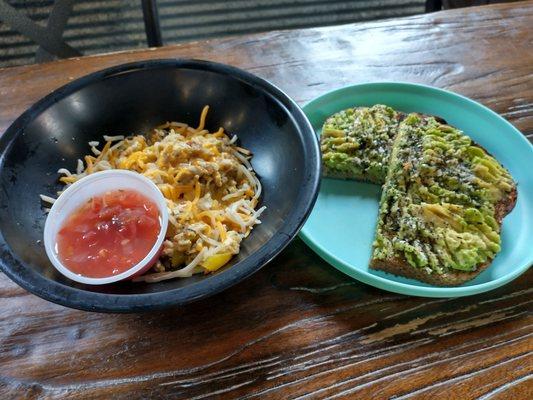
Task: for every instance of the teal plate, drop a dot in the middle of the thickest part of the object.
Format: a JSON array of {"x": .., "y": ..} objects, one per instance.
[{"x": 341, "y": 227}]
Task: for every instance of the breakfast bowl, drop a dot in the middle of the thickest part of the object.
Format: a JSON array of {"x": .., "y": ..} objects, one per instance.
[{"x": 131, "y": 99}]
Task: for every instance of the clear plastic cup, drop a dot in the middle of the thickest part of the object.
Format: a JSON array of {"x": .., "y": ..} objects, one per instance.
[{"x": 93, "y": 185}]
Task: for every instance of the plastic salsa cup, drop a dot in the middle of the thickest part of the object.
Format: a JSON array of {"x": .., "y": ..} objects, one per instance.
[{"x": 94, "y": 185}]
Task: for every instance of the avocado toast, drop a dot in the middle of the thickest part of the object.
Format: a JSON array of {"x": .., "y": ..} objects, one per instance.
[
  {"x": 442, "y": 205},
  {"x": 356, "y": 142},
  {"x": 443, "y": 197}
]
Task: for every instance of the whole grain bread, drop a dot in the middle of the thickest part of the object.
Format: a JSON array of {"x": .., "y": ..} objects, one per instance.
[{"x": 330, "y": 173}]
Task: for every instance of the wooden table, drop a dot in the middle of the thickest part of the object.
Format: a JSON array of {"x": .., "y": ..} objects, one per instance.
[{"x": 298, "y": 328}]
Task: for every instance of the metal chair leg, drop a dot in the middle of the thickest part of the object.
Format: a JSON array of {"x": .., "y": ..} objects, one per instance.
[
  {"x": 57, "y": 21},
  {"x": 39, "y": 34},
  {"x": 151, "y": 23}
]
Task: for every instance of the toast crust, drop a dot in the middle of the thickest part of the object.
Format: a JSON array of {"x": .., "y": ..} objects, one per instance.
[{"x": 328, "y": 173}]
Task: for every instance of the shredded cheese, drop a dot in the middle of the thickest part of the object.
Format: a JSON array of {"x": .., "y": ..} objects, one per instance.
[
  {"x": 113, "y": 138},
  {"x": 208, "y": 182},
  {"x": 47, "y": 199}
]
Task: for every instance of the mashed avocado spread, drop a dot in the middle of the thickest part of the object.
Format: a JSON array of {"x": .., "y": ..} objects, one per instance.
[{"x": 437, "y": 209}]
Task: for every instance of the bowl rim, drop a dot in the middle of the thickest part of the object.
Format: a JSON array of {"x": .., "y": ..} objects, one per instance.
[
  {"x": 51, "y": 229},
  {"x": 73, "y": 297}
]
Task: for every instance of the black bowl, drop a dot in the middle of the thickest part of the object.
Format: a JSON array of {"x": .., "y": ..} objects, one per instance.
[{"x": 132, "y": 98}]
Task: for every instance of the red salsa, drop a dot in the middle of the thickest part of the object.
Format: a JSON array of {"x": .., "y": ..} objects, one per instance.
[{"x": 108, "y": 234}]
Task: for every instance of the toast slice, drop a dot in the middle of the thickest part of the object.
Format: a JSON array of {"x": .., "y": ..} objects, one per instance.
[
  {"x": 356, "y": 143},
  {"x": 442, "y": 205}
]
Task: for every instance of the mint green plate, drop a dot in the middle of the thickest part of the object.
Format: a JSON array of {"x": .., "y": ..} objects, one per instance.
[{"x": 341, "y": 227}]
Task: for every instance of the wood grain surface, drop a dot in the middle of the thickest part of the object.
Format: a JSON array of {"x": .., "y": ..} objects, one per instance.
[{"x": 298, "y": 328}]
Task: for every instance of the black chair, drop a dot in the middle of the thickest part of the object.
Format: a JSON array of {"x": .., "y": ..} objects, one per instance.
[{"x": 50, "y": 39}]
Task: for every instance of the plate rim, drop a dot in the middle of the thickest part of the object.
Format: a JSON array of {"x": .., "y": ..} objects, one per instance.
[{"x": 389, "y": 284}]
